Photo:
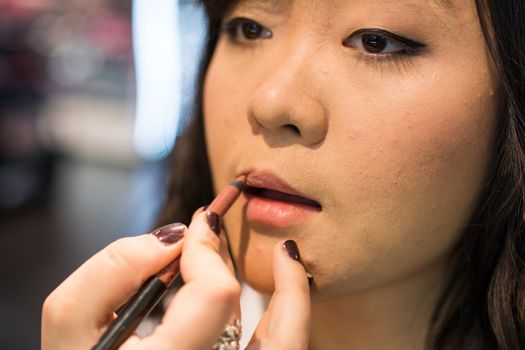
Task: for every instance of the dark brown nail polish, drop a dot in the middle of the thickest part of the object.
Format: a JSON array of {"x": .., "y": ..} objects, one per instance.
[
  {"x": 214, "y": 221},
  {"x": 171, "y": 233},
  {"x": 292, "y": 250}
]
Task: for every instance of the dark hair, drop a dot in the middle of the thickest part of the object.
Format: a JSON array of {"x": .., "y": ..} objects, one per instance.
[{"x": 483, "y": 306}]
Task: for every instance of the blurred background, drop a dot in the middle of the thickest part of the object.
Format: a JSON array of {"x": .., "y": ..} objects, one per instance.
[{"x": 92, "y": 95}]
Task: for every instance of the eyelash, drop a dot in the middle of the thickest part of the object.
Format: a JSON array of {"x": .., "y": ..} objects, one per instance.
[
  {"x": 407, "y": 47},
  {"x": 233, "y": 28}
]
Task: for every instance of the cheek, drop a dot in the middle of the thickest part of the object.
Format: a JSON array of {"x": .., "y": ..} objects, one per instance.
[
  {"x": 410, "y": 168},
  {"x": 219, "y": 106},
  {"x": 413, "y": 136},
  {"x": 228, "y": 140},
  {"x": 430, "y": 138},
  {"x": 221, "y": 121}
]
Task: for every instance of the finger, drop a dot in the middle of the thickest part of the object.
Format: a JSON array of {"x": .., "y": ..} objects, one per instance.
[
  {"x": 287, "y": 324},
  {"x": 86, "y": 299},
  {"x": 199, "y": 311},
  {"x": 290, "y": 323},
  {"x": 198, "y": 211},
  {"x": 224, "y": 252},
  {"x": 261, "y": 331},
  {"x": 133, "y": 342}
]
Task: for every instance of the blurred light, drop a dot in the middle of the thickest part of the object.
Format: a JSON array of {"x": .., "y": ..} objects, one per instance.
[
  {"x": 158, "y": 74},
  {"x": 74, "y": 62}
]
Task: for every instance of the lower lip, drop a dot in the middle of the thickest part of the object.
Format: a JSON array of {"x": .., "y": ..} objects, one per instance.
[{"x": 276, "y": 214}]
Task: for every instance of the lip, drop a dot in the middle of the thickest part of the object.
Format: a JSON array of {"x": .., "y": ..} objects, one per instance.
[{"x": 282, "y": 205}]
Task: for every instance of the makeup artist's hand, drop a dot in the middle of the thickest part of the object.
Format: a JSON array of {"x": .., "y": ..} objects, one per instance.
[
  {"x": 78, "y": 311},
  {"x": 286, "y": 322},
  {"x": 285, "y": 325},
  {"x": 76, "y": 314}
]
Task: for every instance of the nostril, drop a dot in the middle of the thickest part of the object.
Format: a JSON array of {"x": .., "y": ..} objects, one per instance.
[{"x": 293, "y": 128}]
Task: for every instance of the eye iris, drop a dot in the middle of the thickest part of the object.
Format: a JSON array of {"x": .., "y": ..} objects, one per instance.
[
  {"x": 251, "y": 30},
  {"x": 373, "y": 43}
]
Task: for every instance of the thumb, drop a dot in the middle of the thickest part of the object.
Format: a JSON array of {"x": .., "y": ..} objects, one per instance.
[
  {"x": 286, "y": 324},
  {"x": 104, "y": 283}
]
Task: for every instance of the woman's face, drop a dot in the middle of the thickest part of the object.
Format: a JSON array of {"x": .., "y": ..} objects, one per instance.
[{"x": 368, "y": 124}]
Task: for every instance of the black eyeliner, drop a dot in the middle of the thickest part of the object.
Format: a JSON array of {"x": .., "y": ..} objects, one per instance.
[{"x": 411, "y": 44}]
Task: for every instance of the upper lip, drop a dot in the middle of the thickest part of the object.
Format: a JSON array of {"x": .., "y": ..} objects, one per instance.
[{"x": 270, "y": 181}]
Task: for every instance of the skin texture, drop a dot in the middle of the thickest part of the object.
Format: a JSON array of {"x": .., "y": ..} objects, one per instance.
[{"x": 396, "y": 149}]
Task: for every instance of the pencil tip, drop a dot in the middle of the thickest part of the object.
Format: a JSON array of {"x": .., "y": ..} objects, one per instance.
[{"x": 239, "y": 182}]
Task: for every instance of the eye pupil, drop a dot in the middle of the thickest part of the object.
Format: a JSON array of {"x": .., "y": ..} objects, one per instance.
[
  {"x": 251, "y": 30},
  {"x": 373, "y": 43}
]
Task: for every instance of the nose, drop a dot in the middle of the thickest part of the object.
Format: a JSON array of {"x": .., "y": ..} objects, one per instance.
[{"x": 287, "y": 106}]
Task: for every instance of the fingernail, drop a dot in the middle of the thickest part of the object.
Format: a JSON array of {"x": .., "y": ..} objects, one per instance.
[
  {"x": 292, "y": 250},
  {"x": 214, "y": 222},
  {"x": 205, "y": 207},
  {"x": 171, "y": 233}
]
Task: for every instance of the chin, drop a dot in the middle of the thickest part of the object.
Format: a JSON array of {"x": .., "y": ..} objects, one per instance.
[
  {"x": 257, "y": 273},
  {"x": 265, "y": 287},
  {"x": 318, "y": 293}
]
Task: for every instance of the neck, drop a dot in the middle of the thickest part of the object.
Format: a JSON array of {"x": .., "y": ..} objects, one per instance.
[{"x": 394, "y": 316}]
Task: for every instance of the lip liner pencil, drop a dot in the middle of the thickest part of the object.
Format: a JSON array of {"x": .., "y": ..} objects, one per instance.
[{"x": 152, "y": 291}]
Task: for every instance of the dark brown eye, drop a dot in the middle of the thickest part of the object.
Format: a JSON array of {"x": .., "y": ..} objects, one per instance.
[
  {"x": 251, "y": 30},
  {"x": 381, "y": 43},
  {"x": 243, "y": 30},
  {"x": 373, "y": 43}
]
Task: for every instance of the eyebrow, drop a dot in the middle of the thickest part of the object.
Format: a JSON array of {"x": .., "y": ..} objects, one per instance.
[
  {"x": 446, "y": 3},
  {"x": 266, "y": 5}
]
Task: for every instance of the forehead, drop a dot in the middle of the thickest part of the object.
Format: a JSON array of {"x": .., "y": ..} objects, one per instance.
[{"x": 279, "y": 5}]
